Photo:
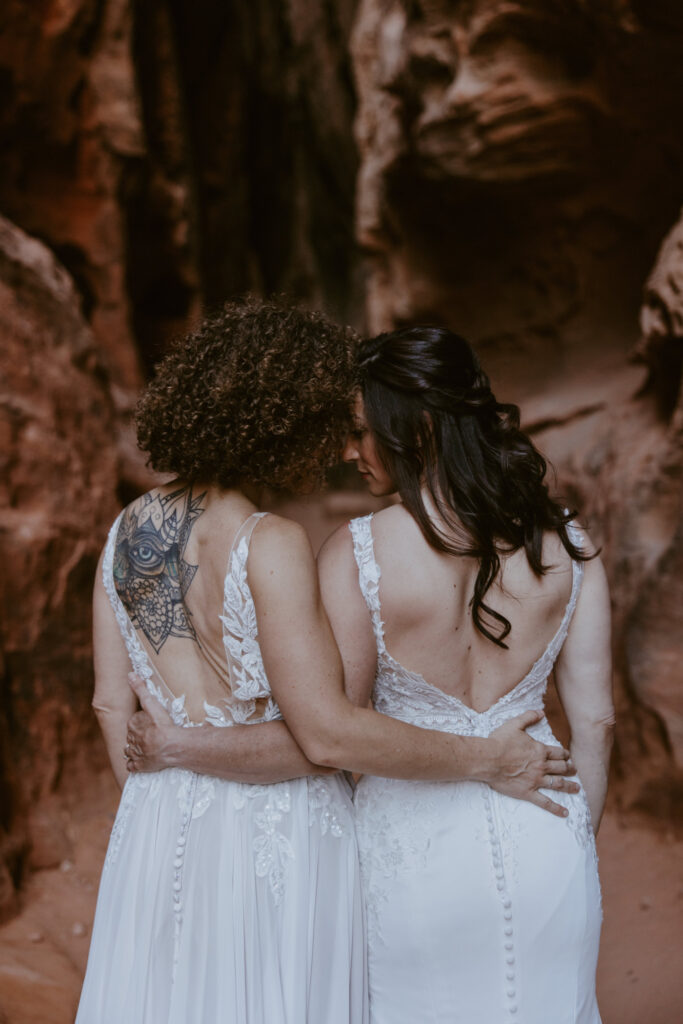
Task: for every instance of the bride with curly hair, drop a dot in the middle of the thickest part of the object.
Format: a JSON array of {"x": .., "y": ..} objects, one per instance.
[{"x": 231, "y": 885}]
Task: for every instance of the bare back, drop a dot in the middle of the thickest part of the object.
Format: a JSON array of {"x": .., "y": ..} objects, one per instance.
[
  {"x": 428, "y": 627},
  {"x": 170, "y": 559}
]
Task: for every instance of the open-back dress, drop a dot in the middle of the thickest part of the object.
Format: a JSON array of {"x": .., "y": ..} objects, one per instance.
[
  {"x": 222, "y": 902},
  {"x": 481, "y": 909}
]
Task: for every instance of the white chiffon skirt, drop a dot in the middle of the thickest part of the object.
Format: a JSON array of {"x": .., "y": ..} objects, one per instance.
[{"x": 224, "y": 902}]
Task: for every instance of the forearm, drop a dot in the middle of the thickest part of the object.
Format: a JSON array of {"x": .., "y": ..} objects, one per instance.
[
  {"x": 590, "y": 750},
  {"x": 253, "y": 754},
  {"x": 306, "y": 675},
  {"x": 365, "y": 742},
  {"x": 112, "y": 722}
]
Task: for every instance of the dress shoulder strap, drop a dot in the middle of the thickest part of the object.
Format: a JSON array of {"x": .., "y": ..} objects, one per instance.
[
  {"x": 235, "y": 582},
  {"x": 248, "y": 680},
  {"x": 368, "y": 573},
  {"x": 576, "y": 537},
  {"x": 242, "y": 538}
]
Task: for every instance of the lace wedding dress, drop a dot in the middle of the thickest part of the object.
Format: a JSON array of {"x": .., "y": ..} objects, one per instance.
[
  {"x": 221, "y": 902},
  {"x": 481, "y": 909}
]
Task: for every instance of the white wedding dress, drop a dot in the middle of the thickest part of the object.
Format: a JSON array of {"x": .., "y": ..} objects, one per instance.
[
  {"x": 221, "y": 902},
  {"x": 481, "y": 909}
]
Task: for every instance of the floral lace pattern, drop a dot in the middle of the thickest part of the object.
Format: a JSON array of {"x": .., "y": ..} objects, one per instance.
[
  {"x": 368, "y": 574},
  {"x": 248, "y": 680},
  {"x": 272, "y": 849},
  {"x": 323, "y": 809},
  {"x": 393, "y": 825},
  {"x": 126, "y": 805},
  {"x": 407, "y": 696},
  {"x": 250, "y": 702}
]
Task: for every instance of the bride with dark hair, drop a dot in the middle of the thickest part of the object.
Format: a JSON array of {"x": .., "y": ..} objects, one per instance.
[{"x": 451, "y": 610}]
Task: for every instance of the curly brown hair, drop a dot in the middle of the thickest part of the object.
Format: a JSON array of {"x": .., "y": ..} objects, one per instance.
[{"x": 259, "y": 392}]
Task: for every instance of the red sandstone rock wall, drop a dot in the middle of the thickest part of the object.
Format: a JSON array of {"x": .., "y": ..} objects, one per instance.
[
  {"x": 71, "y": 125},
  {"x": 172, "y": 155},
  {"x": 59, "y": 476},
  {"x": 157, "y": 157},
  {"x": 521, "y": 163},
  {"x": 520, "y": 168}
]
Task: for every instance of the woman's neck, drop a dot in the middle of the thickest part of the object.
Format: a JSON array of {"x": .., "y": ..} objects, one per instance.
[{"x": 252, "y": 492}]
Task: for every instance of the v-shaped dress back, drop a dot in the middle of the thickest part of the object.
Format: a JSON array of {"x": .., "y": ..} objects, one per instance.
[
  {"x": 222, "y": 901},
  {"x": 481, "y": 909}
]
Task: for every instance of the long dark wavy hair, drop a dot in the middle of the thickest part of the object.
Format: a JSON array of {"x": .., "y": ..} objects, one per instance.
[{"x": 437, "y": 424}]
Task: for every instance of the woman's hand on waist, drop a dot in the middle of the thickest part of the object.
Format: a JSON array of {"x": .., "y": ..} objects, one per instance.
[
  {"x": 521, "y": 766},
  {"x": 150, "y": 732}
]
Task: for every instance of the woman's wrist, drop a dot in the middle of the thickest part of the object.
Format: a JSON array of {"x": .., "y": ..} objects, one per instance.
[
  {"x": 481, "y": 758},
  {"x": 174, "y": 748}
]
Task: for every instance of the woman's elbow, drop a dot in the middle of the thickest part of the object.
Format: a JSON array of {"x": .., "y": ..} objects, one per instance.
[
  {"x": 104, "y": 712},
  {"x": 321, "y": 750},
  {"x": 99, "y": 709},
  {"x": 322, "y": 743},
  {"x": 607, "y": 721},
  {"x": 597, "y": 729}
]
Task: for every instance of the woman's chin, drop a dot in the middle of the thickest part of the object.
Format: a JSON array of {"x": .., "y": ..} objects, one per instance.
[{"x": 377, "y": 488}]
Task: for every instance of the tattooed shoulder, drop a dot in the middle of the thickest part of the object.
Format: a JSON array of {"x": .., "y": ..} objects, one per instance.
[{"x": 151, "y": 574}]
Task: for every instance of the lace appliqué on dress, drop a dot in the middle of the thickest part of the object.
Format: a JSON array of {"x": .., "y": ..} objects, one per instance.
[
  {"x": 248, "y": 681},
  {"x": 194, "y": 797},
  {"x": 368, "y": 573},
  {"x": 393, "y": 826},
  {"x": 125, "y": 809},
  {"x": 388, "y": 838},
  {"x": 252, "y": 702},
  {"x": 271, "y": 847},
  {"x": 322, "y": 809}
]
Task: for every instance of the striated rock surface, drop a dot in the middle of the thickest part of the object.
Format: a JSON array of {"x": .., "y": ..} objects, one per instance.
[
  {"x": 172, "y": 157},
  {"x": 58, "y": 495},
  {"x": 523, "y": 151},
  {"x": 519, "y": 172},
  {"x": 157, "y": 159},
  {"x": 71, "y": 126},
  {"x": 654, "y": 633},
  {"x": 521, "y": 163},
  {"x": 519, "y": 166},
  {"x": 165, "y": 161}
]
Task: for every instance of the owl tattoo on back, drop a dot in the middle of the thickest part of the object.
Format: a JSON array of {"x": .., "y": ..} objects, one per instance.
[{"x": 151, "y": 574}]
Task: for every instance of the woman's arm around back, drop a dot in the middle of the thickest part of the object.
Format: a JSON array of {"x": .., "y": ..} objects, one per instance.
[{"x": 304, "y": 667}]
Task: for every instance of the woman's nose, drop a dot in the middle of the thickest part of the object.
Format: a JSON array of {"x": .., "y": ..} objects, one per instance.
[{"x": 350, "y": 451}]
